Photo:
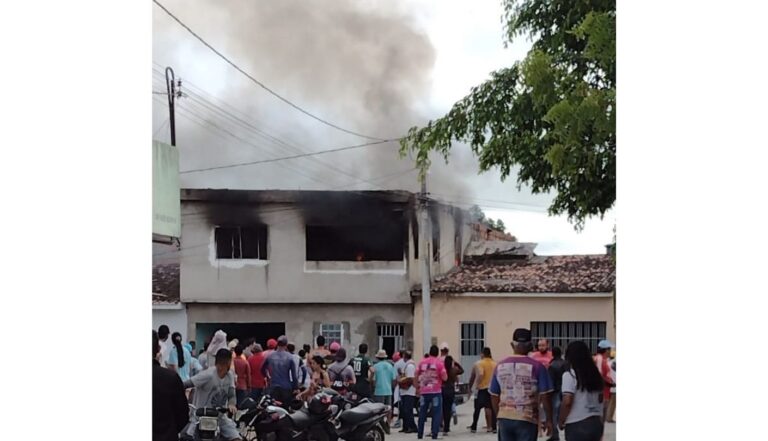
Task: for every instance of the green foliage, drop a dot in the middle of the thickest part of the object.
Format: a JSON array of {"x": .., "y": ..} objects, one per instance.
[
  {"x": 477, "y": 213},
  {"x": 500, "y": 225},
  {"x": 553, "y": 114}
]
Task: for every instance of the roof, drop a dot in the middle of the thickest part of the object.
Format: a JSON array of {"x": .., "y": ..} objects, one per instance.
[
  {"x": 288, "y": 196},
  {"x": 478, "y": 248},
  {"x": 539, "y": 274},
  {"x": 165, "y": 284}
]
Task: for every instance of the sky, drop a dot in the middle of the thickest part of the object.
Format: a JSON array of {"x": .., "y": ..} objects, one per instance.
[{"x": 403, "y": 65}]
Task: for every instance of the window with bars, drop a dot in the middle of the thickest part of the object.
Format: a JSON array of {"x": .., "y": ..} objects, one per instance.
[
  {"x": 241, "y": 242},
  {"x": 560, "y": 334},
  {"x": 333, "y": 332},
  {"x": 390, "y": 336},
  {"x": 472, "y": 338}
]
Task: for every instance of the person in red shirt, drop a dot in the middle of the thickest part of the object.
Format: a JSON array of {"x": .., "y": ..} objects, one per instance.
[
  {"x": 243, "y": 375},
  {"x": 258, "y": 383},
  {"x": 543, "y": 355}
]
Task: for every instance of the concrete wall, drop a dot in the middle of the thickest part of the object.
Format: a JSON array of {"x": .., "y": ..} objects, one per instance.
[
  {"x": 286, "y": 276},
  {"x": 302, "y": 321},
  {"x": 446, "y": 218},
  {"x": 502, "y": 315},
  {"x": 174, "y": 317}
]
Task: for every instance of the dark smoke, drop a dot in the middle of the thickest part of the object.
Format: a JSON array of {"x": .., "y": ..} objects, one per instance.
[{"x": 364, "y": 66}]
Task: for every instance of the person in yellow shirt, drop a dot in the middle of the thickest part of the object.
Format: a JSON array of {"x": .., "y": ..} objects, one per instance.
[{"x": 482, "y": 372}]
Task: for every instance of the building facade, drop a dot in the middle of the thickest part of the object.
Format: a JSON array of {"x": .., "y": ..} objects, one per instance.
[{"x": 308, "y": 263}]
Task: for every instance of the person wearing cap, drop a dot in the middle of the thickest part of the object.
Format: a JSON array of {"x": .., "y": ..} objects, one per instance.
[
  {"x": 604, "y": 366},
  {"x": 361, "y": 364},
  {"x": 333, "y": 348},
  {"x": 340, "y": 373},
  {"x": 518, "y": 384},
  {"x": 258, "y": 382},
  {"x": 280, "y": 370},
  {"x": 383, "y": 377}
]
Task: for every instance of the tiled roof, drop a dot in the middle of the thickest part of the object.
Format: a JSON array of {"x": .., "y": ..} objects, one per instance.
[
  {"x": 540, "y": 274},
  {"x": 165, "y": 283}
]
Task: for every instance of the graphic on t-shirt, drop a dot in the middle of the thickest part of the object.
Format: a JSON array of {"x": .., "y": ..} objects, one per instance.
[
  {"x": 428, "y": 378},
  {"x": 519, "y": 390}
]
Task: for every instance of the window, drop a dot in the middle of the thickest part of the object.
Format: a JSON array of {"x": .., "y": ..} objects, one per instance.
[
  {"x": 435, "y": 240},
  {"x": 390, "y": 337},
  {"x": 385, "y": 242},
  {"x": 472, "y": 338},
  {"x": 241, "y": 242},
  {"x": 333, "y": 332},
  {"x": 560, "y": 334}
]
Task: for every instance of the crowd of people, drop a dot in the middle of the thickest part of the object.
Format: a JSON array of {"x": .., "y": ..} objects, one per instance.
[{"x": 525, "y": 395}]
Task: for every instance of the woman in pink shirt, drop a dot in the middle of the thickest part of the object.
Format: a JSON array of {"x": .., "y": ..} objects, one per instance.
[{"x": 430, "y": 375}]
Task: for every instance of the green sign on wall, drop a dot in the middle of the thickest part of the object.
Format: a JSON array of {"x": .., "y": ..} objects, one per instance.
[{"x": 166, "y": 204}]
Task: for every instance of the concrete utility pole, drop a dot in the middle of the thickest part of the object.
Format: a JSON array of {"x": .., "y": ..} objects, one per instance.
[
  {"x": 425, "y": 232},
  {"x": 173, "y": 92}
]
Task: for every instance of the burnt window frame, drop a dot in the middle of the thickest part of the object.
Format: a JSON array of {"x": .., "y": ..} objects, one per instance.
[
  {"x": 261, "y": 246},
  {"x": 313, "y": 254}
]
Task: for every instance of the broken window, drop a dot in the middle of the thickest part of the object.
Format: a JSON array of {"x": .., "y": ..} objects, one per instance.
[
  {"x": 384, "y": 242},
  {"x": 435, "y": 240},
  {"x": 241, "y": 242}
]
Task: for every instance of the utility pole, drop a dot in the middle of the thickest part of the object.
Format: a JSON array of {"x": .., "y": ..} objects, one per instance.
[
  {"x": 171, "y": 84},
  {"x": 425, "y": 232}
]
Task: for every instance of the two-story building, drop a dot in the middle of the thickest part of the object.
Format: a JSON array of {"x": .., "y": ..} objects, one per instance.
[{"x": 260, "y": 263}]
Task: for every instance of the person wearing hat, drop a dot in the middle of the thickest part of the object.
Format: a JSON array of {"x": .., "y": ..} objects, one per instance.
[
  {"x": 604, "y": 366},
  {"x": 258, "y": 382},
  {"x": 518, "y": 384},
  {"x": 383, "y": 376},
  {"x": 340, "y": 373},
  {"x": 331, "y": 356},
  {"x": 280, "y": 370}
]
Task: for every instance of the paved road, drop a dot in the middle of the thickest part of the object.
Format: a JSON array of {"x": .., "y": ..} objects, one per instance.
[{"x": 461, "y": 433}]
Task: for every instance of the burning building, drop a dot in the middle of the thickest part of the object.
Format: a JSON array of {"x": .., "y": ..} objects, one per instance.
[{"x": 260, "y": 263}]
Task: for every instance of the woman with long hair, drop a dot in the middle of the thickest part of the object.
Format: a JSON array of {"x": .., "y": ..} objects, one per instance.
[
  {"x": 454, "y": 370},
  {"x": 581, "y": 412},
  {"x": 179, "y": 358},
  {"x": 319, "y": 377}
]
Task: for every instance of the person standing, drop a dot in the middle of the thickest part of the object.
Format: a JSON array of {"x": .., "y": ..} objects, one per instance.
[
  {"x": 517, "y": 386},
  {"x": 556, "y": 371},
  {"x": 430, "y": 375},
  {"x": 320, "y": 349},
  {"x": 341, "y": 374},
  {"x": 611, "y": 417},
  {"x": 581, "y": 415},
  {"x": 399, "y": 365},
  {"x": 218, "y": 341},
  {"x": 444, "y": 350},
  {"x": 296, "y": 359},
  {"x": 603, "y": 363},
  {"x": 482, "y": 372},
  {"x": 179, "y": 358},
  {"x": 202, "y": 358},
  {"x": 280, "y": 370},
  {"x": 543, "y": 355},
  {"x": 258, "y": 382},
  {"x": 383, "y": 376},
  {"x": 170, "y": 412},
  {"x": 449, "y": 391},
  {"x": 406, "y": 382},
  {"x": 243, "y": 375},
  {"x": 361, "y": 364},
  {"x": 318, "y": 378},
  {"x": 165, "y": 344}
]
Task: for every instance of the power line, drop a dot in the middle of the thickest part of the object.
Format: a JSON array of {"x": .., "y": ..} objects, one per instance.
[
  {"x": 303, "y": 155},
  {"x": 223, "y": 57}
]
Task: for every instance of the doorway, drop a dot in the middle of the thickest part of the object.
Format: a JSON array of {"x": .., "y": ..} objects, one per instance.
[{"x": 241, "y": 331}]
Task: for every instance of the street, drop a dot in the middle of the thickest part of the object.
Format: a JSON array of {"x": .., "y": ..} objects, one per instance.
[{"x": 461, "y": 433}]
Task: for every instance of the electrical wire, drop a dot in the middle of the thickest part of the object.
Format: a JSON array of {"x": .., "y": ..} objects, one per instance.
[{"x": 263, "y": 86}]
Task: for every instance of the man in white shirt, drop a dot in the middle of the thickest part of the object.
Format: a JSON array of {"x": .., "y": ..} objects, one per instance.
[{"x": 408, "y": 393}]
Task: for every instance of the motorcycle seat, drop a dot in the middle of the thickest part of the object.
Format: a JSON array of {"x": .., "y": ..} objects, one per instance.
[
  {"x": 362, "y": 412},
  {"x": 301, "y": 419}
]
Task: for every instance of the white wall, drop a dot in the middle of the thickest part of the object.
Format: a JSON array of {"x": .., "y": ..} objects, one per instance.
[{"x": 175, "y": 319}]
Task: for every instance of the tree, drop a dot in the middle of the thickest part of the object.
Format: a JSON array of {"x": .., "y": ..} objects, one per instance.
[
  {"x": 552, "y": 115},
  {"x": 500, "y": 225},
  {"x": 476, "y": 213}
]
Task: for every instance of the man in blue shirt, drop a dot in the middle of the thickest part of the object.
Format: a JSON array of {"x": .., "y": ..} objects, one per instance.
[
  {"x": 384, "y": 376},
  {"x": 280, "y": 370}
]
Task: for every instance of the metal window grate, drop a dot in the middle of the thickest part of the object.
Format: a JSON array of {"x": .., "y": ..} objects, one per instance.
[
  {"x": 333, "y": 332},
  {"x": 472, "y": 338},
  {"x": 563, "y": 333}
]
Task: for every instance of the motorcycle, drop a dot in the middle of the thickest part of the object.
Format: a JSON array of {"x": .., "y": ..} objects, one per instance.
[
  {"x": 267, "y": 420},
  {"x": 356, "y": 421},
  {"x": 207, "y": 425}
]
